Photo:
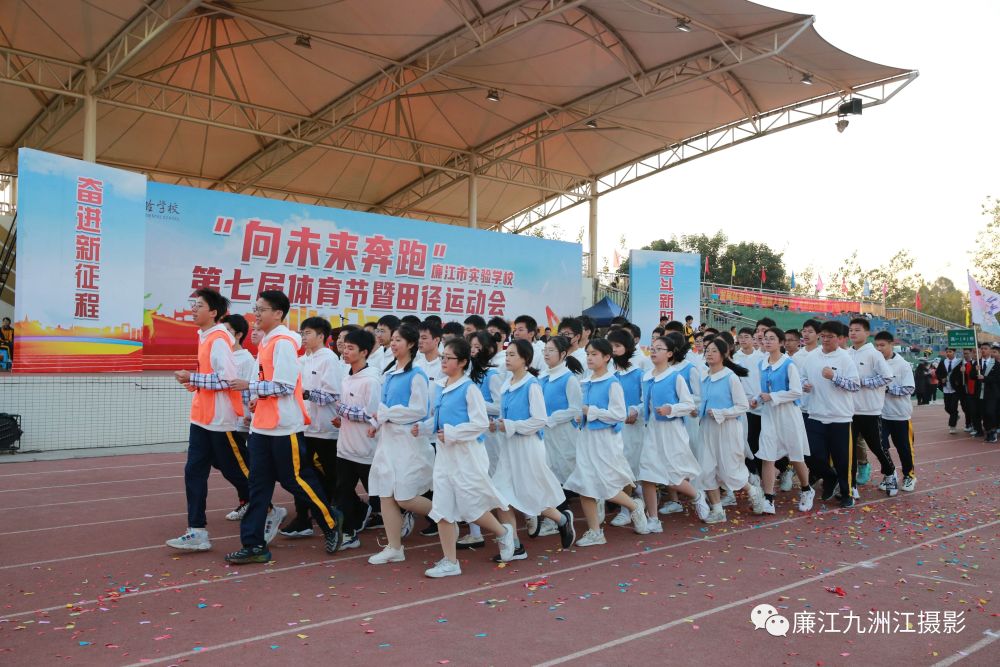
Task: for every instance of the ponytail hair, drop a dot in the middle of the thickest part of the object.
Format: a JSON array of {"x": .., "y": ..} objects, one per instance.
[
  {"x": 411, "y": 335},
  {"x": 677, "y": 349},
  {"x": 720, "y": 344},
  {"x": 487, "y": 347},
  {"x": 624, "y": 338},
  {"x": 561, "y": 343},
  {"x": 526, "y": 351},
  {"x": 463, "y": 352}
]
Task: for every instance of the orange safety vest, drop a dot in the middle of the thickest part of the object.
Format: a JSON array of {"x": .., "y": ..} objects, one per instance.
[
  {"x": 203, "y": 404},
  {"x": 266, "y": 414}
]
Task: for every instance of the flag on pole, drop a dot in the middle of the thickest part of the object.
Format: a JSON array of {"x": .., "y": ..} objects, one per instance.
[
  {"x": 984, "y": 304},
  {"x": 843, "y": 285},
  {"x": 867, "y": 291},
  {"x": 819, "y": 284},
  {"x": 763, "y": 275},
  {"x": 617, "y": 260},
  {"x": 733, "y": 274},
  {"x": 967, "y": 318},
  {"x": 917, "y": 302},
  {"x": 706, "y": 265},
  {"x": 885, "y": 289},
  {"x": 793, "y": 280}
]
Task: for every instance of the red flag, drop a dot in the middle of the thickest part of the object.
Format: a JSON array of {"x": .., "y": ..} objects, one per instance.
[
  {"x": 917, "y": 302},
  {"x": 843, "y": 285},
  {"x": 706, "y": 265},
  {"x": 763, "y": 275}
]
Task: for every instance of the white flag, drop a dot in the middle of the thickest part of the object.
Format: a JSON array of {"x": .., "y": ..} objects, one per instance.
[{"x": 985, "y": 305}]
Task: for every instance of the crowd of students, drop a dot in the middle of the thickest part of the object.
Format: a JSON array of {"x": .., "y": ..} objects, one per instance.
[
  {"x": 972, "y": 383},
  {"x": 481, "y": 424}
]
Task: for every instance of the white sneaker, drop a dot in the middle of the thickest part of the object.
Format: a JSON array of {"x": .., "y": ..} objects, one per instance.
[
  {"x": 237, "y": 514},
  {"x": 716, "y": 516},
  {"x": 350, "y": 541},
  {"x": 767, "y": 507},
  {"x": 909, "y": 483},
  {"x": 195, "y": 539},
  {"x": 444, "y": 568},
  {"x": 471, "y": 541},
  {"x": 387, "y": 555},
  {"x": 671, "y": 507},
  {"x": 600, "y": 512},
  {"x": 701, "y": 506},
  {"x": 639, "y": 516},
  {"x": 531, "y": 525},
  {"x": 952, "y": 430},
  {"x": 623, "y": 519},
  {"x": 506, "y": 542},
  {"x": 653, "y": 525},
  {"x": 592, "y": 538},
  {"x": 728, "y": 498},
  {"x": 549, "y": 527},
  {"x": 754, "y": 479},
  {"x": 787, "y": 479},
  {"x": 757, "y": 499},
  {"x": 806, "y": 500},
  {"x": 273, "y": 522},
  {"x": 407, "y": 527},
  {"x": 855, "y": 494}
]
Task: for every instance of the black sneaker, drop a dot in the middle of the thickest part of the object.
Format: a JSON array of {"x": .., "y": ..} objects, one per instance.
[
  {"x": 249, "y": 555},
  {"x": 300, "y": 526},
  {"x": 374, "y": 521},
  {"x": 847, "y": 502},
  {"x": 334, "y": 536},
  {"x": 430, "y": 531},
  {"x": 567, "y": 533},
  {"x": 830, "y": 487},
  {"x": 519, "y": 554}
]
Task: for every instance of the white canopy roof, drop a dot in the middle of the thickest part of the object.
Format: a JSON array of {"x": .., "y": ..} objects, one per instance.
[{"x": 383, "y": 105}]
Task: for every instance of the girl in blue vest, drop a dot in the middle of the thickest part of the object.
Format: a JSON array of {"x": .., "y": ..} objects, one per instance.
[
  {"x": 463, "y": 490},
  {"x": 522, "y": 475},
  {"x": 601, "y": 470},
  {"x": 666, "y": 454},
  {"x": 563, "y": 402},
  {"x": 782, "y": 431},
  {"x": 723, "y": 401},
  {"x": 630, "y": 377},
  {"x": 484, "y": 349},
  {"x": 404, "y": 462}
]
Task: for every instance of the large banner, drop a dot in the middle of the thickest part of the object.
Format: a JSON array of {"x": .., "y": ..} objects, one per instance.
[
  {"x": 344, "y": 265},
  {"x": 80, "y": 251},
  {"x": 754, "y": 299},
  {"x": 663, "y": 284}
]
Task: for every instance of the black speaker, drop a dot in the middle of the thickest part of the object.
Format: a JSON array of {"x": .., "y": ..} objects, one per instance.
[{"x": 850, "y": 107}]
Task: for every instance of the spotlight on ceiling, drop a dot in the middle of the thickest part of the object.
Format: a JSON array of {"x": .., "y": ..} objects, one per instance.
[
  {"x": 304, "y": 41},
  {"x": 842, "y": 124},
  {"x": 807, "y": 79},
  {"x": 493, "y": 95},
  {"x": 684, "y": 25},
  {"x": 592, "y": 124}
]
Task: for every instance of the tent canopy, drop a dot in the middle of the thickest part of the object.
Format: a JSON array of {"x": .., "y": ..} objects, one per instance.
[
  {"x": 603, "y": 312},
  {"x": 502, "y": 111}
]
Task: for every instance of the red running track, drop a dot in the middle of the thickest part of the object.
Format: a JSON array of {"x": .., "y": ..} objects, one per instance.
[{"x": 87, "y": 580}]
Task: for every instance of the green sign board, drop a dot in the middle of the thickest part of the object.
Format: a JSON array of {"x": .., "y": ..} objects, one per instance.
[{"x": 961, "y": 338}]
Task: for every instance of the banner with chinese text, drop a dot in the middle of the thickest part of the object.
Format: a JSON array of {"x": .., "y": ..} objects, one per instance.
[
  {"x": 347, "y": 266},
  {"x": 80, "y": 251},
  {"x": 663, "y": 284},
  {"x": 754, "y": 299}
]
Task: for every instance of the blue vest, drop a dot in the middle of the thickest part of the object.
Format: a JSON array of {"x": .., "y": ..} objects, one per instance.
[
  {"x": 631, "y": 381},
  {"x": 515, "y": 404},
  {"x": 396, "y": 390},
  {"x": 451, "y": 408},
  {"x": 484, "y": 386},
  {"x": 660, "y": 393},
  {"x": 716, "y": 395},
  {"x": 774, "y": 379},
  {"x": 555, "y": 392},
  {"x": 598, "y": 394},
  {"x": 686, "y": 374}
]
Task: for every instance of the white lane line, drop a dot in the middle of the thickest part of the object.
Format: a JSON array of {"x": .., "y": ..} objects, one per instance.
[
  {"x": 102, "y": 523},
  {"x": 52, "y": 472},
  {"x": 731, "y": 605},
  {"x": 991, "y": 636},
  {"x": 110, "y": 481},
  {"x": 940, "y": 580},
  {"x": 102, "y": 500},
  {"x": 521, "y": 580}
]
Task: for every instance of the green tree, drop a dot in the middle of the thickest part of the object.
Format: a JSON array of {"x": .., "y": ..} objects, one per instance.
[
  {"x": 805, "y": 282},
  {"x": 750, "y": 258},
  {"x": 673, "y": 245},
  {"x": 986, "y": 256},
  {"x": 942, "y": 299},
  {"x": 900, "y": 280}
]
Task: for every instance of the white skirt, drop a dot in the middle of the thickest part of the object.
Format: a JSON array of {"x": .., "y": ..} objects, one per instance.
[
  {"x": 783, "y": 433},
  {"x": 492, "y": 444},
  {"x": 523, "y": 477},
  {"x": 633, "y": 436},
  {"x": 403, "y": 466},
  {"x": 666, "y": 454},
  {"x": 463, "y": 490},
  {"x": 601, "y": 470},
  {"x": 560, "y": 449},
  {"x": 694, "y": 434},
  {"x": 721, "y": 456}
]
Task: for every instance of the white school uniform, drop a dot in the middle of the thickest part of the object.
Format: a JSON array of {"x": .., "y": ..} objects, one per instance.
[
  {"x": 560, "y": 432},
  {"x": 722, "y": 440},
  {"x": 800, "y": 363},
  {"x": 537, "y": 358},
  {"x": 782, "y": 431},
  {"x": 463, "y": 489},
  {"x": 359, "y": 389},
  {"x": 522, "y": 476},
  {"x": 492, "y": 442},
  {"x": 580, "y": 354},
  {"x": 379, "y": 359},
  {"x": 666, "y": 452},
  {"x": 601, "y": 469},
  {"x": 323, "y": 371},
  {"x": 403, "y": 466},
  {"x": 691, "y": 422},
  {"x": 641, "y": 361},
  {"x": 246, "y": 369},
  {"x": 633, "y": 434}
]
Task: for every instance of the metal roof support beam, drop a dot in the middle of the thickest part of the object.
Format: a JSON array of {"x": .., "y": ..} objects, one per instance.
[
  {"x": 734, "y": 134},
  {"x": 510, "y": 19},
  {"x": 592, "y": 230}
]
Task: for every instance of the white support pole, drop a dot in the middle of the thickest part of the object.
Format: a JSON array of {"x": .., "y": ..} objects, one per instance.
[
  {"x": 473, "y": 202},
  {"x": 90, "y": 117},
  {"x": 592, "y": 230}
]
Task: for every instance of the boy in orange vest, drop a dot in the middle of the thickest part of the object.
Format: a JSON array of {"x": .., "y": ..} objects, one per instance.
[
  {"x": 277, "y": 452},
  {"x": 215, "y": 411}
]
